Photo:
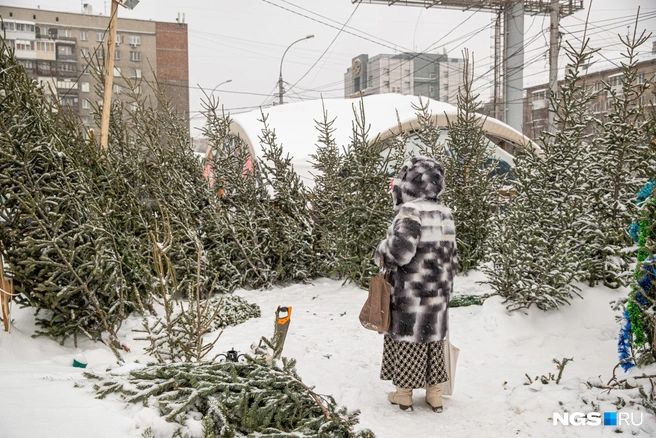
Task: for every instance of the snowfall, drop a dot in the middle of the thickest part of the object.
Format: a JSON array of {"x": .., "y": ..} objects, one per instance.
[{"x": 43, "y": 395}]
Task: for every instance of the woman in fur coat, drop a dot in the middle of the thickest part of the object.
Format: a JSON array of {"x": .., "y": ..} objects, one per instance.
[{"x": 420, "y": 253}]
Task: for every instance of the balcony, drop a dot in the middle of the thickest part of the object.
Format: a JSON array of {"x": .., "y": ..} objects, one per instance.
[
  {"x": 65, "y": 73},
  {"x": 63, "y": 57},
  {"x": 41, "y": 71},
  {"x": 25, "y": 54}
]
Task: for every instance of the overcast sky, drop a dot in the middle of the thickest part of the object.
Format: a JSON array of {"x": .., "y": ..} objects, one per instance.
[{"x": 243, "y": 40}]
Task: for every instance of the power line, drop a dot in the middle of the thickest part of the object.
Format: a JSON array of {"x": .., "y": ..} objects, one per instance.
[{"x": 329, "y": 45}]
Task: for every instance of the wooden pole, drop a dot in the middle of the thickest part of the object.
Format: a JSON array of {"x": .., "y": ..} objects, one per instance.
[
  {"x": 6, "y": 295},
  {"x": 554, "y": 33},
  {"x": 109, "y": 77}
]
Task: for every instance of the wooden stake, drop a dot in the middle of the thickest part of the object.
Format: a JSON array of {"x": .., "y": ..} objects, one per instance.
[
  {"x": 6, "y": 294},
  {"x": 109, "y": 77}
]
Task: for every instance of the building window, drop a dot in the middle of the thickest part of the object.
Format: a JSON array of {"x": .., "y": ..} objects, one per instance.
[
  {"x": 23, "y": 45},
  {"x": 84, "y": 87},
  {"x": 135, "y": 56},
  {"x": 85, "y": 69},
  {"x": 65, "y": 33},
  {"x": 135, "y": 40},
  {"x": 641, "y": 78},
  {"x": 65, "y": 50},
  {"x": 66, "y": 84},
  {"x": 597, "y": 86},
  {"x": 84, "y": 35},
  {"x": 117, "y": 72},
  {"x": 119, "y": 39},
  {"x": 135, "y": 73},
  {"x": 641, "y": 100},
  {"x": 86, "y": 120},
  {"x": 595, "y": 108},
  {"x": 386, "y": 84},
  {"x": 117, "y": 56},
  {"x": 86, "y": 104},
  {"x": 85, "y": 52},
  {"x": 117, "y": 89},
  {"x": 539, "y": 95},
  {"x": 386, "y": 71},
  {"x": 69, "y": 101},
  {"x": 44, "y": 65},
  {"x": 27, "y": 63},
  {"x": 609, "y": 104},
  {"x": 8, "y": 25},
  {"x": 100, "y": 37},
  {"x": 431, "y": 75},
  {"x": 23, "y": 27},
  {"x": 67, "y": 66},
  {"x": 446, "y": 87},
  {"x": 614, "y": 81},
  {"x": 44, "y": 46},
  {"x": 137, "y": 89}
]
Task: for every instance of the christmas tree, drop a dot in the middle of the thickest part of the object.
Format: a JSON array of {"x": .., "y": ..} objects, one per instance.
[
  {"x": 538, "y": 245},
  {"x": 472, "y": 185},
  {"x": 624, "y": 159}
]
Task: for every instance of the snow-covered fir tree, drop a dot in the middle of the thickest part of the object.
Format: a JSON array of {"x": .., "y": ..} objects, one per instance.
[
  {"x": 326, "y": 197},
  {"x": 537, "y": 247},
  {"x": 290, "y": 223},
  {"x": 624, "y": 156},
  {"x": 351, "y": 203},
  {"x": 53, "y": 237},
  {"x": 472, "y": 181}
]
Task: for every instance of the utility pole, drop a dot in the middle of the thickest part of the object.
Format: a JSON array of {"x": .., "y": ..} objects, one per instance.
[
  {"x": 514, "y": 65},
  {"x": 553, "y": 56},
  {"x": 109, "y": 76},
  {"x": 109, "y": 70}
]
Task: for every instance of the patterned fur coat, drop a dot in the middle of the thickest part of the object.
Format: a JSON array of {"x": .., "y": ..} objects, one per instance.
[{"x": 420, "y": 252}]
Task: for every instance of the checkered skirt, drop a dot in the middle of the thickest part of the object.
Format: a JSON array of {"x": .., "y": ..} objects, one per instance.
[{"x": 413, "y": 365}]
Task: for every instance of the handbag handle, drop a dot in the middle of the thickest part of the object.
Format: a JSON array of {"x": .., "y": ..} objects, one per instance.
[{"x": 386, "y": 274}]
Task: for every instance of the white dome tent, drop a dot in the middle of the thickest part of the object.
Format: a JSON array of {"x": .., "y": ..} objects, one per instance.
[{"x": 295, "y": 125}]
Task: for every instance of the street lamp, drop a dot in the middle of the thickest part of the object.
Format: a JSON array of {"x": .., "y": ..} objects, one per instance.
[
  {"x": 224, "y": 82},
  {"x": 283, "y": 58}
]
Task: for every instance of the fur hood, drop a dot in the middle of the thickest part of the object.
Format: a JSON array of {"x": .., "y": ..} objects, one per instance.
[{"x": 419, "y": 178}]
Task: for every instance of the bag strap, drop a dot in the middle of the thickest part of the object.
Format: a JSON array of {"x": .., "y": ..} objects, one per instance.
[{"x": 386, "y": 274}]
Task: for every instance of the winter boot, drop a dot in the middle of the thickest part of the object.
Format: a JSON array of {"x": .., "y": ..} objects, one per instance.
[
  {"x": 402, "y": 397},
  {"x": 434, "y": 397}
]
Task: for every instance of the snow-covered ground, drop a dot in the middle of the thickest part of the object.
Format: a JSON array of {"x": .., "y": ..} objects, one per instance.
[{"x": 39, "y": 397}]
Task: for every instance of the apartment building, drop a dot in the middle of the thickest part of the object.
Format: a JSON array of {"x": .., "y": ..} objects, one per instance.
[
  {"x": 419, "y": 74},
  {"x": 59, "y": 49},
  {"x": 536, "y": 101}
]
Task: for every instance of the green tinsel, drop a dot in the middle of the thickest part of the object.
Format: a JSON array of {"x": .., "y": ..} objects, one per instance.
[{"x": 633, "y": 307}]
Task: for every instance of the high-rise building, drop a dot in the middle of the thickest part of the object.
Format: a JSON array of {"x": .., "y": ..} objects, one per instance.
[
  {"x": 536, "y": 100},
  {"x": 419, "y": 74},
  {"x": 58, "y": 49}
]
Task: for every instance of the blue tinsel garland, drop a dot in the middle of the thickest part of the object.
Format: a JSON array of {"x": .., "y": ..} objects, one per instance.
[
  {"x": 645, "y": 191},
  {"x": 645, "y": 282},
  {"x": 624, "y": 343}
]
